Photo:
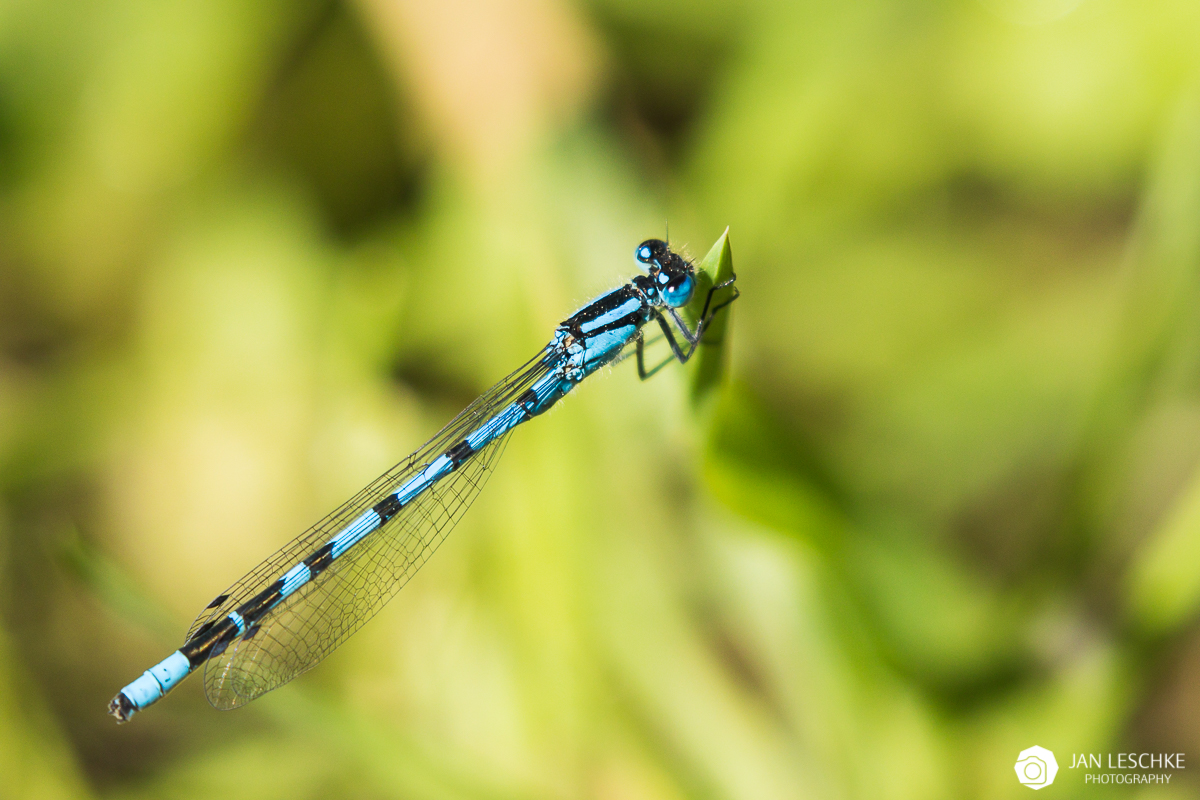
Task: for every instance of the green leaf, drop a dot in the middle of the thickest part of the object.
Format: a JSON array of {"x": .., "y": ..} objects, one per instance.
[{"x": 716, "y": 268}]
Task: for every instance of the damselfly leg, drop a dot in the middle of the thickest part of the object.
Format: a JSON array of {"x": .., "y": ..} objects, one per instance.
[{"x": 693, "y": 337}]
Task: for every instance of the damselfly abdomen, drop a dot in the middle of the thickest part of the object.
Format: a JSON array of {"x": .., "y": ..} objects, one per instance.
[{"x": 296, "y": 607}]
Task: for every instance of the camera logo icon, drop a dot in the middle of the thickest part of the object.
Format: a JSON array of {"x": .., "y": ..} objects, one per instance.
[{"x": 1036, "y": 767}]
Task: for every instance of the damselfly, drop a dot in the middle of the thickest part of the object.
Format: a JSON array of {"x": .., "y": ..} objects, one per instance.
[{"x": 296, "y": 607}]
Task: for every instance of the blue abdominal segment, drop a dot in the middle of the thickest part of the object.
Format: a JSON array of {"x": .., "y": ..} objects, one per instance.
[
  {"x": 296, "y": 577},
  {"x": 157, "y": 681},
  {"x": 354, "y": 532}
]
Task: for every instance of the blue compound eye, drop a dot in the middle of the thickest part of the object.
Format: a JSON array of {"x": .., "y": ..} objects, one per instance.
[
  {"x": 651, "y": 252},
  {"x": 678, "y": 292}
]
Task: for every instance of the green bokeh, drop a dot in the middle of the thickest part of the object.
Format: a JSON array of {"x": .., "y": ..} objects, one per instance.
[{"x": 939, "y": 501}]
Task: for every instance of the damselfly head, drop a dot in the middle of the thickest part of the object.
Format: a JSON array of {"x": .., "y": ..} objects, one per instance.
[
  {"x": 651, "y": 254},
  {"x": 671, "y": 275}
]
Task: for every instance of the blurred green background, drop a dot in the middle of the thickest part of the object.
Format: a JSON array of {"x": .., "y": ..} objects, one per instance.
[{"x": 946, "y": 506}]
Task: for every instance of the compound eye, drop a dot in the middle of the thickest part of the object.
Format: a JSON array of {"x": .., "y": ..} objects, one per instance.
[
  {"x": 678, "y": 292},
  {"x": 651, "y": 251}
]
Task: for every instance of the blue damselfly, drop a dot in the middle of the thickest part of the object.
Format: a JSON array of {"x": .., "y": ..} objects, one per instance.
[{"x": 296, "y": 607}]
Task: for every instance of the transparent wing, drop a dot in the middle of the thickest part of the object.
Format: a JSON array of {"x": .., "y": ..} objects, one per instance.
[{"x": 309, "y": 624}]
